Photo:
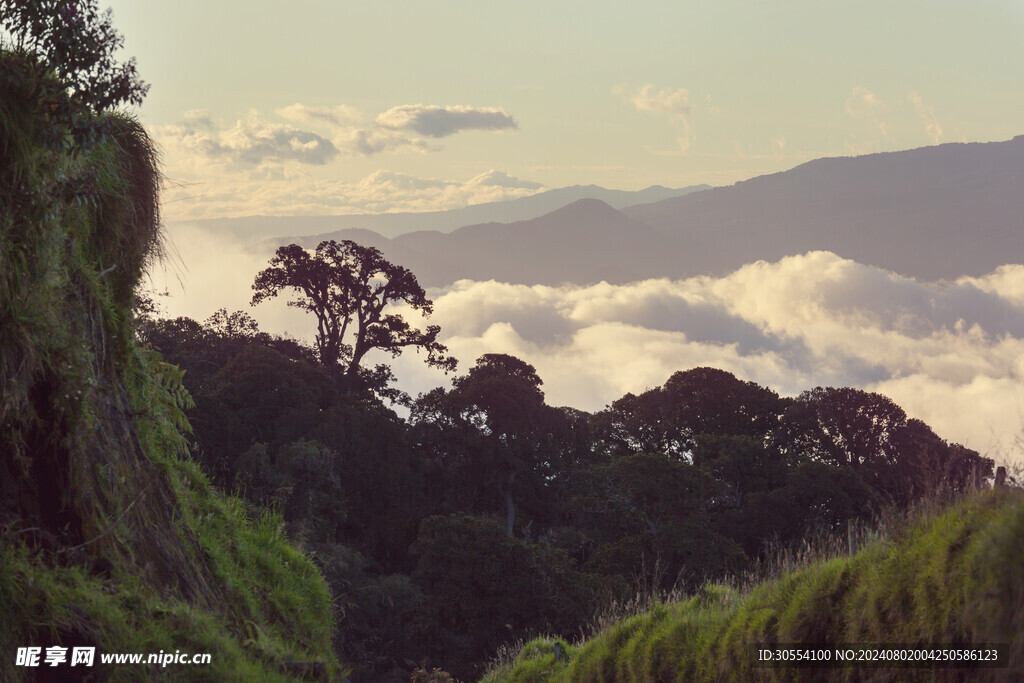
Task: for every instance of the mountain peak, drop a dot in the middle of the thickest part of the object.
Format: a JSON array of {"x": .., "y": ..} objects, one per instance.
[{"x": 585, "y": 206}]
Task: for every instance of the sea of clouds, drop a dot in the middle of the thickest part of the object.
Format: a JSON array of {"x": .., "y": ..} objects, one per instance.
[{"x": 950, "y": 353}]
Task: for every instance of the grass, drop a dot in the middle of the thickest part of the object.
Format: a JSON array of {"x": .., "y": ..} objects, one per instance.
[{"x": 953, "y": 576}]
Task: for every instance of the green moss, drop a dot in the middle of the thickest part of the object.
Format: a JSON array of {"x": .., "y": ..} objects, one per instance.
[{"x": 952, "y": 577}]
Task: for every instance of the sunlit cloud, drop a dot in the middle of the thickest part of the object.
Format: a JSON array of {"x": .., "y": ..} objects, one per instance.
[
  {"x": 257, "y": 166},
  {"x": 339, "y": 116},
  {"x": 863, "y": 102},
  {"x": 248, "y": 142},
  {"x": 670, "y": 103},
  {"x": 198, "y": 118},
  {"x": 952, "y": 354},
  {"x": 369, "y": 141},
  {"x": 932, "y": 128},
  {"x": 277, "y": 191}
]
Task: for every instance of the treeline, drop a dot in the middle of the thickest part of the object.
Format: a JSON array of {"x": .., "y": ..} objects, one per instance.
[{"x": 487, "y": 515}]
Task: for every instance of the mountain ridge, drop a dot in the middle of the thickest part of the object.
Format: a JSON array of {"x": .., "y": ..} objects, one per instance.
[
  {"x": 398, "y": 223},
  {"x": 932, "y": 213}
]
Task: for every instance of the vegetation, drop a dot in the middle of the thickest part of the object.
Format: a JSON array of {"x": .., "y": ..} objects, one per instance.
[
  {"x": 348, "y": 287},
  {"x": 111, "y": 537},
  {"x": 488, "y": 516},
  {"x": 951, "y": 577},
  {"x": 152, "y": 471}
]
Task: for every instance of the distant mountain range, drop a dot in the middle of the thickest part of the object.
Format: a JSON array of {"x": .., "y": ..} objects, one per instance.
[
  {"x": 394, "y": 224},
  {"x": 931, "y": 213}
]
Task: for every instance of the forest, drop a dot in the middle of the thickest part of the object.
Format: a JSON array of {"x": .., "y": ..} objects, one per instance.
[{"x": 487, "y": 516}]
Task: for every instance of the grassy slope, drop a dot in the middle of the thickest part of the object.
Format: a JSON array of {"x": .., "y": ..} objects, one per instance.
[
  {"x": 273, "y": 622},
  {"x": 953, "y": 577}
]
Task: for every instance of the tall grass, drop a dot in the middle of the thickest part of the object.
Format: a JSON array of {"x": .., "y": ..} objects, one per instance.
[{"x": 941, "y": 575}]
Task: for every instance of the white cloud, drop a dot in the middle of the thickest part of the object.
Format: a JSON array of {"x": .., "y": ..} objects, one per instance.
[
  {"x": 932, "y": 127},
  {"x": 864, "y": 102},
  {"x": 438, "y": 122},
  {"x": 952, "y": 354},
  {"x": 339, "y": 116},
  {"x": 494, "y": 178},
  {"x": 275, "y": 191},
  {"x": 671, "y": 103},
  {"x": 369, "y": 141},
  {"x": 198, "y": 118},
  {"x": 249, "y": 142},
  {"x": 866, "y": 106}
]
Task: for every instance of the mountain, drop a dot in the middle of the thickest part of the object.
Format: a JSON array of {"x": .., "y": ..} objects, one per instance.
[
  {"x": 394, "y": 224},
  {"x": 930, "y": 213},
  {"x": 586, "y": 241}
]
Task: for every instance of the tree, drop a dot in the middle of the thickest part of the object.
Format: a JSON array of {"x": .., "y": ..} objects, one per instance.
[
  {"x": 349, "y": 288},
  {"x": 75, "y": 42},
  {"x": 493, "y": 428},
  {"x": 692, "y": 405}
]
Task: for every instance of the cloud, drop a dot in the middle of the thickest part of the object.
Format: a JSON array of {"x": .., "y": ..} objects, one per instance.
[
  {"x": 339, "y": 116},
  {"x": 671, "y": 103},
  {"x": 932, "y": 128},
  {"x": 438, "y": 122},
  {"x": 368, "y": 141},
  {"x": 494, "y": 178},
  {"x": 862, "y": 104},
  {"x": 249, "y": 142},
  {"x": 952, "y": 354},
  {"x": 198, "y": 118},
  {"x": 287, "y": 192},
  {"x": 253, "y": 141},
  {"x": 862, "y": 101}
]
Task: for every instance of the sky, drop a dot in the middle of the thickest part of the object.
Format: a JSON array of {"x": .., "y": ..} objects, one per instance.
[{"x": 319, "y": 107}]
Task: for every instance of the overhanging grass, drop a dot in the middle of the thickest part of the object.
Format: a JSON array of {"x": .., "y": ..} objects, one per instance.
[{"x": 954, "y": 577}]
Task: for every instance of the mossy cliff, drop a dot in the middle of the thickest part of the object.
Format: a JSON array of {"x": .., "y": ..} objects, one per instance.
[
  {"x": 954, "y": 577},
  {"x": 111, "y": 537}
]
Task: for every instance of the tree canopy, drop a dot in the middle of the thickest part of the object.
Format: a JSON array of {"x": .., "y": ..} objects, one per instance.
[
  {"x": 351, "y": 289},
  {"x": 61, "y": 55}
]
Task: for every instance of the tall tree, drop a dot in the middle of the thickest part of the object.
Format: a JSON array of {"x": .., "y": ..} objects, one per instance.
[
  {"x": 493, "y": 427},
  {"x": 350, "y": 289}
]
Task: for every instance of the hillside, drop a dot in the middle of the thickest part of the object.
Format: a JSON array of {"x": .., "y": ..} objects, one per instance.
[
  {"x": 586, "y": 241},
  {"x": 111, "y": 535},
  {"x": 953, "y": 577},
  {"x": 930, "y": 213}
]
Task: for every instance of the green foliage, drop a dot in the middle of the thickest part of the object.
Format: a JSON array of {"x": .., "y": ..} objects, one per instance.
[
  {"x": 950, "y": 577},
  {"x": 77, "y": 42},
  {"x": 482, "y": 587},
  {"x": 109, "y": 536},
  {"x": 349, "y": 288}
]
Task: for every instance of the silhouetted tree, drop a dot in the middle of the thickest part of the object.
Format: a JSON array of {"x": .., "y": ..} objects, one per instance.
[
  {"x": 671, "y": 419},
  {"x": 349, "y": 289},
  {"x": 503, "y": 433}
]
